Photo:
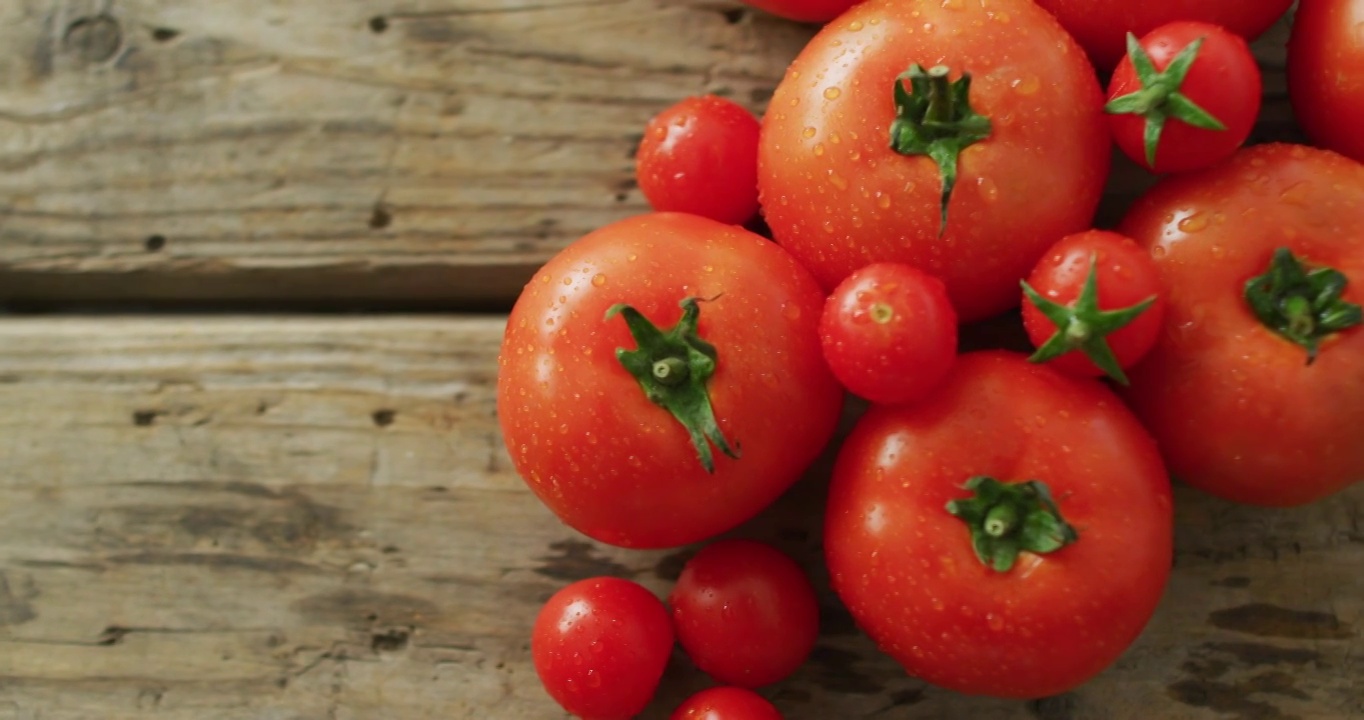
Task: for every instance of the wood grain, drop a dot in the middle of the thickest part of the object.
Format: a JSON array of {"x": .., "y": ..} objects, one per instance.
[
  {"x": 307, "y": 518},
  {"x": 414, "y": 153}
]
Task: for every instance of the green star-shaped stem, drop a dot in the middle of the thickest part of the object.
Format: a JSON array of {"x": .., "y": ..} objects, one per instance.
[{"x": 1159, "y": 98}]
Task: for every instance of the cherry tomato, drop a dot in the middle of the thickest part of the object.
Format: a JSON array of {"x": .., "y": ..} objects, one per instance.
[
  {"x": 919, "y": 132},
  {"x": 1185, "y": 96},
  {"x": 1255, "y": 388},
  {"x": 810, "y": 11},
  {"x": 1093, "y": 326},
  {"x": 889, "y": 332},
  {"x": 1010, "y": 535},
  {"x": 726, "y": 703},
  {"x": 701, "y": 156},
  {"x": 725, "y": 406},
  {"x": 1101, "y": 25},
  {"x": 600, "y": 647},
  {"x": 1326, "y": 73},
  {"x": 745, "y": 613}
]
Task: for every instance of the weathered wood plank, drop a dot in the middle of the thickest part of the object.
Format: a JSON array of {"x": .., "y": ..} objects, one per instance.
[
  {"x": 420, "y": 152},
  {"x": 293, "y": 518}
]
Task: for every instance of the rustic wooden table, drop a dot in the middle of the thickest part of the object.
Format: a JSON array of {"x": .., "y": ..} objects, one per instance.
[{"x": 284, "y": 511}]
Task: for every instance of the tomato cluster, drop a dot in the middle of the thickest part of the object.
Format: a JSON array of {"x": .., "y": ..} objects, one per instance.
[{"x": 1000, "y": 523}]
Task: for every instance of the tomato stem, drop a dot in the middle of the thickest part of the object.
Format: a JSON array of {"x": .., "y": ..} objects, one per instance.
[
  {"x": 934, "y": 117},
  {"x": 1159, "y": 98},
  {"x": 673, "y": 369},
  {"x": 1304, "y": 307},
  {"x": 1083, "y": 326},
  {"x": 1006, "y": 519}
]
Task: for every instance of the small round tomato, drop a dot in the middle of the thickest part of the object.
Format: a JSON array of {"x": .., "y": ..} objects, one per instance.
[
  {"x": 1185, "y": 97},
  {"x": 1255, "y": 388},
  {"x": 915, "y": 132},
  {"x": 600, "y": 647},
  {"x": 661, "y": 380},
  {"x": 701, "y": 156},
  {"x": 1100, "y": 25},
  {"x": 1092, "y": 306},
  {"x": 889, "y": 332},
  {"x": 1010, "y": 535},
  {"x": 1326, "y": 73},
  {"x": 745, "y": 613},
  {"x": 726, "y": 703},
  {"x": 810, "y": 11}
]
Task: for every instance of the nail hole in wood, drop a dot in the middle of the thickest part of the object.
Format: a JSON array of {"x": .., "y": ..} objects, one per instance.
[
  {"x": 378, "y": 24},
  {"x": 112, "y": 635},
  {"x": 735, "y": 15},
  {"x": 155, "y": 242},
  {"x": 383, "y": 418},
  {"x": 381, "y": 218},
  {"x": 165, "y": 34},
  {"x": 145, "y": 418}
]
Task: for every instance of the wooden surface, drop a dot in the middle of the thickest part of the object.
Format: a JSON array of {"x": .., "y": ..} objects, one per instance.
[
  {"x": 314, "y": 518},
  {"x": 422, "y": 153},
  {"x": 306, "y": 518}
]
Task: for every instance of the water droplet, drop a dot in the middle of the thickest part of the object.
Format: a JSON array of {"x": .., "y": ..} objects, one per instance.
[
  {"x": 838, "y": 181},
  {"x": 1001, "y": 17},
  {"x": 855, "y": 25},
  {"x": 819, "y": 149},
  {"x": 598, "y": 280},
  {"x": 928, "y": 27},
  {"x": 1193, "y": 223},
  {"x": 791, "y": 311},
  {"x": 1218, "y": 251},
  {"x": 1158, "y": 251},
  {"x": 809, "y": 132},
  {"x": 883, "y": 201},
  {"x": 709, "y": 268},
  {"x": 1026, "y": 85},
  {"x": 835, "y": 138},
  {"x": 1296, "y": 194},
  {"x": 855, "y": 156},
  {"x": 937, "y": 604},
  {"x": 832, "y": 93},
  {"x": 989, "y": 191},
  {"x": 995, "y": 622},
  {"x": 952, "y": 4}
]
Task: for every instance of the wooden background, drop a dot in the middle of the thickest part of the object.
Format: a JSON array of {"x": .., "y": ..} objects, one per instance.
[{"x": 225, "y": 494}]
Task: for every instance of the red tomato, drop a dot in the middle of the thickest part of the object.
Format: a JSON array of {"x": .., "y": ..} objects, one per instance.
[
  {"x": 600, "y": 647},
  {"x": 745, "y": 613},
  {"x": 701, "y": 156},
  {"x": 974, "y": 199},
  {"x": 1326, "y": 73},
  {"x": 742, "y": 364},
  {"x": 1228, "y": 391},
  {"x": 1102, "y": 331},
  {"x": 974, "y": 578},
  {"x": 1185, "y": 97},
  {"x": 726, "y": 703},
  {"x": 1101, "y": 25},
  {"x": 889, "y": 332}
]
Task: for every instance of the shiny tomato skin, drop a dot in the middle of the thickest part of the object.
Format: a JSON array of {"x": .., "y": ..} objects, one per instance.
[
  {"x": 1326, "y": 73},
  {"x": 889, "y": 332},
  {"x": 838, "y": 197},
  {"x": 726, "y": 703},
  {"x": 745, "y": 613},
  {"x": 1236, "y": 408},
  {"x": 808, "y": 11},
  {"x": 905, "y": 567},
  {"x": 700, "y": 156},
  {"x": 1101, "y": 26},
  {"x": 1126, "y": 277},
  {"x": 583, "y": 435},
  {"x": 1224, "y": 80},
  {"x": 600, "y": 646}
]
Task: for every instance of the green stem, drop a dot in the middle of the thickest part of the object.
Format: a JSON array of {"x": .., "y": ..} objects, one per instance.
[
  {"x": 1159, "y": 98},
  {"x": 1304, "y": 307},
  {"x": 1005, "y": 519}
]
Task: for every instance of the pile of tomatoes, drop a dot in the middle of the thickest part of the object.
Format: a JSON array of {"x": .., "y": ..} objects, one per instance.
[{"x": 922, "y": 165}]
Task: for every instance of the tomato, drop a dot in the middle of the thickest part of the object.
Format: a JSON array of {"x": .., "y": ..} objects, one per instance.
[
  {"x": 1101, "y": 25},
  {"x": 1264, "y": 404},
  {"x": 852, "y": 171},
  {"x": 701, "y": 156},
  {"x": 600, "y": 647},
  {"x": 1326, "y": 73},
  {"x": 745, "y": 613},
  {"x": 1185, "y": 97},
  {"x": 743, "y": 400},
  {"x": 726, "y": 703},
  {"x": 889, "y": 332},
  {"x": 811, "y": 11},
  {"x": 1092, "y": 306},
  {"x": 1010, "y": 536}
]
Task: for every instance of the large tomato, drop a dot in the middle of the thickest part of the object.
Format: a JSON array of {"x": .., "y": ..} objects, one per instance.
[
  {"x": 721, "y": 409},
  {"x": 1326, "y": 73},
  {"x": 1228, "y": 389},
  {"x": 1009, "y": 536},
  {"x": 983, "y": 176},
  {"x": 1101, "y": 26}
]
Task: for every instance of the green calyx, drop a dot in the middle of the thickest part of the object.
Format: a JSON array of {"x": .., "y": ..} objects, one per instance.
[
  {"x": 1159, "y": 98},
  {"x": 1302, "y": 306},
  {"x": 1083, "y": 326},
  {"x": 673, "y": 368},
  {"x": 1008, "y": 518},
  {"x": 934, "y": 117}
]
